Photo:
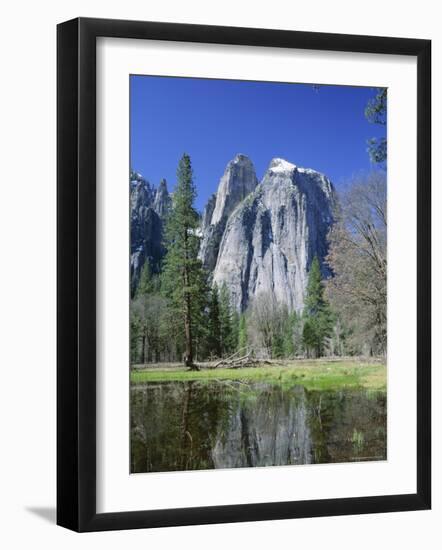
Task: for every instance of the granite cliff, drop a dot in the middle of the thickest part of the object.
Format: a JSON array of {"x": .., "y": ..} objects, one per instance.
[
  {"x": 256, "y": 237},
  {"x": 237, "y": 182},
  {"x": 270, "y": 237},
  {"x": 148, "y": 208}
]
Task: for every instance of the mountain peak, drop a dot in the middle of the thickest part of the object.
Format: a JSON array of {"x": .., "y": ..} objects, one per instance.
[
  {"x": 162, "y": 199},
  {"x": 162, "y": 187},
  {"x": 241, "y": 158},
  {"x": 281, "y": 165},
  {"x": 239, "y": 179}
]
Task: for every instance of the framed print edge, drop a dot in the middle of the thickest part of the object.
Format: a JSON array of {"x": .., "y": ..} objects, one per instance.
[
  {"x": 67, "y": 275},
  {"x": 76, "y": 275}
]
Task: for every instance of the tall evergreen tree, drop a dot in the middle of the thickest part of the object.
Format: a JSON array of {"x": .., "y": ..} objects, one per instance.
[
  {"x": 225, "y": 317},
  {"x": 183, "y": 278},
  {"x": 278, "y": 346},
  {"x": 318, "y": 316},
  {"x": 242, "y": 332},
  {"x": 314, "y": 300},
  {"x": 290, "y": 326},
  {"x": 146, "y": 283},
  {"x": 235, "y": 331},
  {"x": 214, "y": 325}
]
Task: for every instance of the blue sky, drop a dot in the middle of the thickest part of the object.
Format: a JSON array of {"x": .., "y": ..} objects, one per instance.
[{"x": 213, "y": 120}]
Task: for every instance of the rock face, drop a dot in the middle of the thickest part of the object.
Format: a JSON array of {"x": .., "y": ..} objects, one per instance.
[
  {"x": 255, "y": 237},
  {"x": 238, "y": 181},
  {"x": 162, "y": 201},
  {"x": 147, "y": 210},
  {"x": 270, "y": 239}
]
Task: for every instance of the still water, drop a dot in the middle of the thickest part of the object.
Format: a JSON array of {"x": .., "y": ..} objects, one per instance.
[{"x": 194, "y": 426}]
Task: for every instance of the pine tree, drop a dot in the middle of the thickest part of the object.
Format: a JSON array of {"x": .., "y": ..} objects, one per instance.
[
  {"x": 214, "y": 325},
  {"x": 310, "y": 336},
  {"x": 242, "y": 332},
  {"x": 314, "y": 300},
  {"x": 146, "y": 283},
  {"x": 183, "y": 278},
  {"x": 288, "y": 345},
  {"x": 235, "y": 331},
  {"x": 318, "y": 316},
  {"x": 278, "y": 346},
  {"x": 225, "y": 317}
]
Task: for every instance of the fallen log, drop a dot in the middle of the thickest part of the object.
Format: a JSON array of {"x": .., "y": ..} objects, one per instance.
[
  {"x": 226, "y": 360},
  {"x": 240, "y": 362}
]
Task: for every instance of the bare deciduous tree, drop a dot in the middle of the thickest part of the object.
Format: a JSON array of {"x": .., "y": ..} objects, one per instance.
[
  {"x": 358, "y": 259},
  {"x": 266, "y": 321},
  {"x": 151, "y": 311}
]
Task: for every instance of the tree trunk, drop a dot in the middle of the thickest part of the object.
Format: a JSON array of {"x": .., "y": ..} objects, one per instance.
[
  {"x": 188, "y": 354},
  {"x": 143, "y": 349}
]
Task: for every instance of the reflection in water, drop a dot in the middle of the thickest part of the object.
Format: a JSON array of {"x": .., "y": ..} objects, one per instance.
[{"x": 194, "y": 426}]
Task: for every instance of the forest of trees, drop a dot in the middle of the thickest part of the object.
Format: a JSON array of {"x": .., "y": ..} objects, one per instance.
[{"x": 178, "y": 315}]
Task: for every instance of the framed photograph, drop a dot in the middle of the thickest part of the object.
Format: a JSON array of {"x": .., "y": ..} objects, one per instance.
[{"x": 243, "y": 274}]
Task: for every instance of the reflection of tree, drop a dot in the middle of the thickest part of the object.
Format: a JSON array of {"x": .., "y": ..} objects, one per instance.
[
  {"x": 175, "y": 425},
  {"x": 246, "y": 439},
  {"x": 179, "y": 426},
  {"x": 351, "y": 425},
  {"x": 186, "y": 436}
]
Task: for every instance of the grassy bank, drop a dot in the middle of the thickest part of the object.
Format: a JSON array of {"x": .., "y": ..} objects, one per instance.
[{"x": 315, "y": 375}]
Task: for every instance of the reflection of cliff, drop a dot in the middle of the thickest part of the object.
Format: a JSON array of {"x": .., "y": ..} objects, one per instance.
[
  {"x": 190, "y": 426},
  {"x": 265, "y": 431}
]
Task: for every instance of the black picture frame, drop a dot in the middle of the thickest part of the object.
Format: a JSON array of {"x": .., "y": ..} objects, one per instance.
[{"x": 76, "y": 274}]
